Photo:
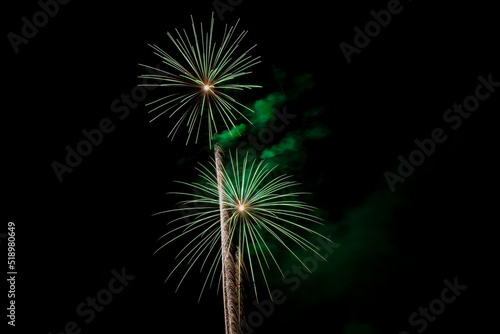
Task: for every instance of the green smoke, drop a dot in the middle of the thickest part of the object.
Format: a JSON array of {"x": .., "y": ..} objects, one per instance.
[
  {"x": 263, "y": 113},
  {"x": 264, "y": 108},
  {"x": 355, "y": 271},
  {"x": 291, "y": 150},
  {"x": 365, "y": 255},
  {"x": 357, "y": 328},
  {"x": 299, "y": 83},
  {"x": 227, "y": 137},
  {"x": 291, "y": 142}
]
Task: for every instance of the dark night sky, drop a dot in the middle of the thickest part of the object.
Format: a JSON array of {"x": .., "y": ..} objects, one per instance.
[{"x": 397, "y": 247}]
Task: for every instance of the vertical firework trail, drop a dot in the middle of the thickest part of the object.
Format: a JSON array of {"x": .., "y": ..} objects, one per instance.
[{"x": 230, "y": 286}]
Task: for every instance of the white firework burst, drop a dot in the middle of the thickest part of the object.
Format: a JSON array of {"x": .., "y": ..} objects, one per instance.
[{"x": 200, "y": 82}]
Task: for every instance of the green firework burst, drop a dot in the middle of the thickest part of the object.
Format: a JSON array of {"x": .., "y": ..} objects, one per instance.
[{"x": 260, "y": 207}]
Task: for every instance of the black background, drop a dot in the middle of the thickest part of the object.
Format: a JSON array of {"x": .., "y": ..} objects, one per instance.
[{"x": 70, "y": 235}]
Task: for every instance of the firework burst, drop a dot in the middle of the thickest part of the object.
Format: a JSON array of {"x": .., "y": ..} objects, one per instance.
[
  {"x": 257, "y": 207},
  {"x": 201, "y": 80}
]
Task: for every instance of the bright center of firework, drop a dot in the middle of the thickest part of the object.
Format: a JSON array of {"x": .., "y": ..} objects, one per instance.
[
  {"x": 241, "y": 208},
  {"x": 206, "y": 87}
]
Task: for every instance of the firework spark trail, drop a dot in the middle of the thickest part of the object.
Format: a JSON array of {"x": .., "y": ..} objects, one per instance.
[
  {"x": 201, "y": 84},
  {"x": 229, "y": 271}
]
